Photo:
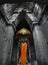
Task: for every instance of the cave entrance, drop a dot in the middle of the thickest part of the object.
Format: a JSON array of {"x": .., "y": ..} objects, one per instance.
[{"x": 16, "y": 44}]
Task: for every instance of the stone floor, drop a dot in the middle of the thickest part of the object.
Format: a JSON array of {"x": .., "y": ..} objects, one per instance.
[{"x": 32, "y": 63}]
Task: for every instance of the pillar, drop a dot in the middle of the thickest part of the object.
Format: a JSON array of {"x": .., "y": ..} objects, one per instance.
[{"x": 40, "y": 45}]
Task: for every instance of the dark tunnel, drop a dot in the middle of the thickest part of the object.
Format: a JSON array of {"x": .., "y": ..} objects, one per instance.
[{"x": 17, "y": 42}]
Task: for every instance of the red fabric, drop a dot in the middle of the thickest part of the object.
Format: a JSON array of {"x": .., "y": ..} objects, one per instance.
[{"x": 23, "y": 57}]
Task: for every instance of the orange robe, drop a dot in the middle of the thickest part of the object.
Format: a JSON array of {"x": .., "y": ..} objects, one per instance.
[{"x": 23, "y": 56}]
